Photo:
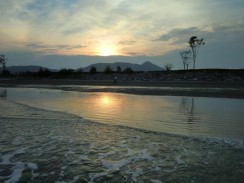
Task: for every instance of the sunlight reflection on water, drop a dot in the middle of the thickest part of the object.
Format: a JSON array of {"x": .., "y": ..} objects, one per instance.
[{"x": 194, "y": 116}]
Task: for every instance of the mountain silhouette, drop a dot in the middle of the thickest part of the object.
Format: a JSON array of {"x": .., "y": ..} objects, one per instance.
[
  {"x": 30, "y": 68},
  {"x": 146, "y": 66}
]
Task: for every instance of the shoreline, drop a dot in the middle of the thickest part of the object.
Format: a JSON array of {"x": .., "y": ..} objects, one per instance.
[
  {"x": 215, "y": 89},
  {"x": 74, "y": 146}
]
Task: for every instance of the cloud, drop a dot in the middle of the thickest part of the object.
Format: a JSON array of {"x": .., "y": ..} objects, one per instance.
[
  {"x": 138, "y": 27},
  {"x": 212, "y": 33},
  {"x": 42, "y": 47},
  {"x": 128, "y": 42},
  {"x": 178, "y": 35}
]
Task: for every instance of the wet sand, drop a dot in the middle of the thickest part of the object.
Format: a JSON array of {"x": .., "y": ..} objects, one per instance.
[{"x": 174, "y": 88}]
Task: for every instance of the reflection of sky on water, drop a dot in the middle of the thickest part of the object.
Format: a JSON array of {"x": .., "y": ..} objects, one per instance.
[{"x": 216, "y": 117}]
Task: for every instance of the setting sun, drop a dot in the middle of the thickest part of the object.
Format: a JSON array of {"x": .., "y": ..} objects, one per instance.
[
  {"x": 107, "y": 48},
  {"x": 106, "y": 51}
]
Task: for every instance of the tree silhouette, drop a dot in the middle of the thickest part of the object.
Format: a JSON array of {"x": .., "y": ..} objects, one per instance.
[
  {"x": 186, "y": 57},
  {"x": 108, "y": 70},
  {"x": 3, "y": 61},
  {"x": 93, "y": 70},
  {"x": 128, "y": 70},
  {"x": 195, "y": 44},
  {"x": 168, "y": 66},
  {"x": 118, "y": 69}
]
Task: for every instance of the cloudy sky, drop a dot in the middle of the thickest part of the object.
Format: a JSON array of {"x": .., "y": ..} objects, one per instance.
[{"x": 76, "y": 33}]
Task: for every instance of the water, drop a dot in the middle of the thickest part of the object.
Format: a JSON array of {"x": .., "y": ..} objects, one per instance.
[
  {"x": 191, "y": 116},
  {"x": 44, "y": 146}
]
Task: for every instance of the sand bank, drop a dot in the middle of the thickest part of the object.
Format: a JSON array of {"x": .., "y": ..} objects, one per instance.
[{"x": 174, "y": 88}]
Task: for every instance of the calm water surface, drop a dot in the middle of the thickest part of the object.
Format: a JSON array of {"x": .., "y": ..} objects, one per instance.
[{"x": 192, "y": 116}]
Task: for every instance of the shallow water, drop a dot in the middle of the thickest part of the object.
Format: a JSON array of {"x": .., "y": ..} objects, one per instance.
[
  {"x": 191, "y": 116},
  {"x": 43, "y": 146}
]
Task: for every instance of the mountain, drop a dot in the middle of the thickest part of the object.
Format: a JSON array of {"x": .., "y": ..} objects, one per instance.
[
  {"x": 31, "y": 68},
  {"x": 146, "y": 66}
]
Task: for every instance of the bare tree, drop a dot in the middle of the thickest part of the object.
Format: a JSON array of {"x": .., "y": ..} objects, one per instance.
[
  {"x": 186, "y": 58},
  {"x": 195, "y": 44},
  {"x": 3, "y": 61},
  {"x": 168, "y": 66}
]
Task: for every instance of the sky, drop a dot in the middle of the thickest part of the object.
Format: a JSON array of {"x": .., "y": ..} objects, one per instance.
[{"x": 76, "y": 33}]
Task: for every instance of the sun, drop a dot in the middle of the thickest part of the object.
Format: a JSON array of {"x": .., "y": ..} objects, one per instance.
[
  {"x": 106, "y": 51},
  {"x": 107, "y": 48}
]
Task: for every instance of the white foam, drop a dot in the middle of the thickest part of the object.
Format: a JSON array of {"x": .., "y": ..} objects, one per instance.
[
  {"x": 18, "y": 140},
  {"x": 157, "y": 169},
  {"x": 84, "y": 157},
  {"x": 179, "y": 159},
  {"x": 52, "y": 173},
  {"x": 141, "y": 154},
  {"x": 137, "y": 173},
  {"x": 6, "y": 158},
  {"x": 93, "y": 176},
  {"x": 133, "y": 156},
  {"x": 115, "y": 165},
  {"x": 103, "y": 155},
  {"x": 32, "y": 166},
  {"x": 17, "y": 172}
]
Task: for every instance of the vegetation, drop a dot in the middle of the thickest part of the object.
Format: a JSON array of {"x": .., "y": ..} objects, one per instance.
[
  {"x": 3, "y": 60},
  {"x": 93, "y": 70},
  {"x": 118, "y": 69},
  {"x": 128, "y": 70},
  {"x": 186, "y": 58},
  {"x": 195, "y": 44},
  {"x": 43, "y": 73},
  {"x": 168, "y": 66},
  {"x": 108, "y": 70}
]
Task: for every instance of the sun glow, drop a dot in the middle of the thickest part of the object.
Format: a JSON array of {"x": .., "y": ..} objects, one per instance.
[
  {"x": 106, "y": 51},
  {"x": 107, "y": 47}
]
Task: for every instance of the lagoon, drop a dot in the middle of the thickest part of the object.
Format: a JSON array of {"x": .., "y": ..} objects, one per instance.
[{"x": 190, "y": 116}]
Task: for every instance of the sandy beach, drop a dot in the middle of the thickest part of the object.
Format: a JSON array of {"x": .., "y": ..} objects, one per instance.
[{"x": 174, "y": 88}]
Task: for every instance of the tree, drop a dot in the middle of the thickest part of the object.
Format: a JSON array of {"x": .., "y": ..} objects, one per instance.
[
  {"x": 43, "y": 73},
  {"x": 64, "y": 73},
  {"x": 195, "y": 44},
  {"x": 186, "y": 58},
  {"x": 128, "y": 70},
  {"x": 3, "y": 61},
  {"x": 108, "y": 70},
  {"x": 168, "y": 66},
  {"x": 118, "y": 69},
  {"x": 93, "y": 70}
]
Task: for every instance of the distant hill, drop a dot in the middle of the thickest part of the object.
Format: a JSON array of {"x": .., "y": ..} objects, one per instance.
[
  {"x": 146, "y": 66},
  {"x": 30, "y": 68}
]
